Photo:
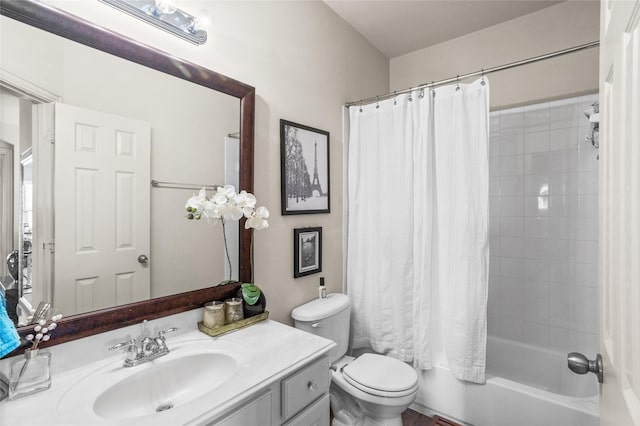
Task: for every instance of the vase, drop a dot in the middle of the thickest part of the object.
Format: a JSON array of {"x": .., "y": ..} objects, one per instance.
[
  {"x": 251, "y": 309},
  {"x": 30, "y": 373}
]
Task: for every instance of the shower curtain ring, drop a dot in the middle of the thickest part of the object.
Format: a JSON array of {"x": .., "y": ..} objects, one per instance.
[
  {"x": 457, "y": 83},
  {"x": 482, "y": 82},
  {"x": 410, "y": 95},
  {"x": 377, "y": 102},
  {"x": 360, "y": 101},
  {"x": 395, "y": 100}
]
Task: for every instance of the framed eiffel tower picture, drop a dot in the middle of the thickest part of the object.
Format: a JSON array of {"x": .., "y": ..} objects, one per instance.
[{"x": 304, "y": 163}]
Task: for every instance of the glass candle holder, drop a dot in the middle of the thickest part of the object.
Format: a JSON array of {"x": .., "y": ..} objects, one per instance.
[
  {"x": 214, "y": 315},
  {"x": 30, "y": 373},
  {"x": 233, "y": 310}
]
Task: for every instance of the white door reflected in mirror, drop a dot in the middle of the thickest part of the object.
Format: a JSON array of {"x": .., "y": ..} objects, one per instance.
[{"x": 102, "y": 199}]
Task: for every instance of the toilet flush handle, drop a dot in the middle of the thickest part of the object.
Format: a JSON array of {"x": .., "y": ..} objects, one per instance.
[{"x": 316, "y": 325}]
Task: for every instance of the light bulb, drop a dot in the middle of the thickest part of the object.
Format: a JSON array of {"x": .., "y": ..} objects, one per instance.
[
  {"x": 166, "y": 6},
  {"x": 202, "y": 21}
]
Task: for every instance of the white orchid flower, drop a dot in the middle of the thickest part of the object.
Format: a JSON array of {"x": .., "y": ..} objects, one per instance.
[
  {"x": 248, "y": 212},
  {"x": 220, "y": 198},
  {"x": 245, "y": 199},
  {"x": 226, "y": 204},
  {"x": 211, "y": 210},
  {"x": 248, "y": 202},
  {"x": 196, "y": 201},
  {"x": 228, "y": 191},
  {"x": 258, "y": 219},
  {"x": 229, "y": 211}
]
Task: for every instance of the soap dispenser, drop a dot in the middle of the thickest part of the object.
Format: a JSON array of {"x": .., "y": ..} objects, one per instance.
[{"x": 322, "y": 290}]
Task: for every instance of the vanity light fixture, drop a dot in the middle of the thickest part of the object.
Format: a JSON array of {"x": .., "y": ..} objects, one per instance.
[{"x": 165, "y": 15}]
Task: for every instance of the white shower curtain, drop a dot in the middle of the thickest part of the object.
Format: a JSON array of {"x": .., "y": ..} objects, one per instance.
[{"x": 417, "y": 229}]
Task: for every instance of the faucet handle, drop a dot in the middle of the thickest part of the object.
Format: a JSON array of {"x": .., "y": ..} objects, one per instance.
[
  {"x": 131, "y": 346},
  {"x": 161, "y": 340},
  {"x": 131, "y": 342},
  {"x": 168, "y": 330}
]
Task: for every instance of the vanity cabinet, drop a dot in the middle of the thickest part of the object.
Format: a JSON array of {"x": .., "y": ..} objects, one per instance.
[
  {"x": 315, "y": 415},
  {"x": 299, "y": 399},
  {"x": 304, "y": 387},
  {"x": 278, "y": 376},
  {"x": 253, "y": 412}
]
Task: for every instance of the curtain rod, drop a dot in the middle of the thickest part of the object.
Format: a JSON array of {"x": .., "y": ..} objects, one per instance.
[{"x": 476, "y": 73}]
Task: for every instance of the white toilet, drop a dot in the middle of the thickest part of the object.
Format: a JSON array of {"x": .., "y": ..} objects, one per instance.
[{"x": 370, "y": 390}]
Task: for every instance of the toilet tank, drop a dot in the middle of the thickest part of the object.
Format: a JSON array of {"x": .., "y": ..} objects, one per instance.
[{"x": 328, "y": 318}]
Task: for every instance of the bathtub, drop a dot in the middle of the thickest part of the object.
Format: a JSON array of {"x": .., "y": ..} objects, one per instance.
[{"x": 526, "y": 386}]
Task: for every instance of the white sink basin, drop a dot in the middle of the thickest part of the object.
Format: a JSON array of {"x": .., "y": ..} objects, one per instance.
[
  {"x": 114, "y": 393},
  {"x": 165, "y": 386},
  {"x": 215, "y": 377}
]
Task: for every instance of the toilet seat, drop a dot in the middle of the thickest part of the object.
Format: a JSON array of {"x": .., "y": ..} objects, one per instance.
[{"x": 381, "y": 376}]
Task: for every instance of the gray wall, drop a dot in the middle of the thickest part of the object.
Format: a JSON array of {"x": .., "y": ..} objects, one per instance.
[{"x": 551, "y": 29}]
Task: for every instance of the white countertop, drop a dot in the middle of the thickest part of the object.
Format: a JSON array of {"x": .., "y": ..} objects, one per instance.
[{"x": 270, "y": 351}]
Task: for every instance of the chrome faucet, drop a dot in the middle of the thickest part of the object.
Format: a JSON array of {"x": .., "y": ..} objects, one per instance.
[
  {"x": 132, "y": 351},
  {"x": 149, "y": 349}
]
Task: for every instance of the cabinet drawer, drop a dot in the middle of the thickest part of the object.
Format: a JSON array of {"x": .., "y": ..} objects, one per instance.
[
  {"x": 256, "y": 412},
  {"x": 304, "y": 387},
  {"x": 316, "y": 415}
]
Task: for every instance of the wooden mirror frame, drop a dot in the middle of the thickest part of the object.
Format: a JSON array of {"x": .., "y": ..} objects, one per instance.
[{"x": 71, "y": 27}]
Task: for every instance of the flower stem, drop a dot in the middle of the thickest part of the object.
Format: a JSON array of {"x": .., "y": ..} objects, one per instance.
[
  {"x": 251, "y": 253},
  {"x": 226, "y": 249},
  {"x": 24, "y": 367}
]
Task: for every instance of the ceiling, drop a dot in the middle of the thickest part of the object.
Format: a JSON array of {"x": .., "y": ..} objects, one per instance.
[{"x": 397, "y": 27}]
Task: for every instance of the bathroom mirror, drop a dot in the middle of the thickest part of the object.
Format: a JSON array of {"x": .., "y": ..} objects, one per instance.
[{"x": 201, "y": 96}]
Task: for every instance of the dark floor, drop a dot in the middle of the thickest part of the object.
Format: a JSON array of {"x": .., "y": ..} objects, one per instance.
[{"x": 413, "y": 418}]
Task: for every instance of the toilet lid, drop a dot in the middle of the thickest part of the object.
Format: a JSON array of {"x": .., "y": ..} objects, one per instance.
[{"x": 375, "y": 373}]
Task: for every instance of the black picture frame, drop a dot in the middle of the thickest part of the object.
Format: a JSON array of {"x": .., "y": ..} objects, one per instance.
[
  {"x": 307, "y": 251},
  {"x": 304, "y": 169}
]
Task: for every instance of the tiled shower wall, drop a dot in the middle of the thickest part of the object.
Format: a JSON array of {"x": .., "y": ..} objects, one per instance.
[{"x": 543, "y": 187}]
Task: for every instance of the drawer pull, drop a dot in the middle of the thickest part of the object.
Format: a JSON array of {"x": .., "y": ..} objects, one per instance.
[{"x": 312, "y": 386}]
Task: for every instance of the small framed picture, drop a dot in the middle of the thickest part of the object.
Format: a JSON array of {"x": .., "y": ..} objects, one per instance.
[
  {"x": 307, "y": 251},
  {"x": 304, "y": 169}
]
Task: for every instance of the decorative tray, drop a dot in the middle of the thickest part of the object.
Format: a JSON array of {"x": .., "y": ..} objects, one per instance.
[{"x": 227, "y": 328}]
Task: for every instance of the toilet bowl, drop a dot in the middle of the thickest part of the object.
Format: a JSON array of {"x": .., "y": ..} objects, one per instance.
[
  {"x": 374, "y": 388},
  {"x": 369, "y": 390}
]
